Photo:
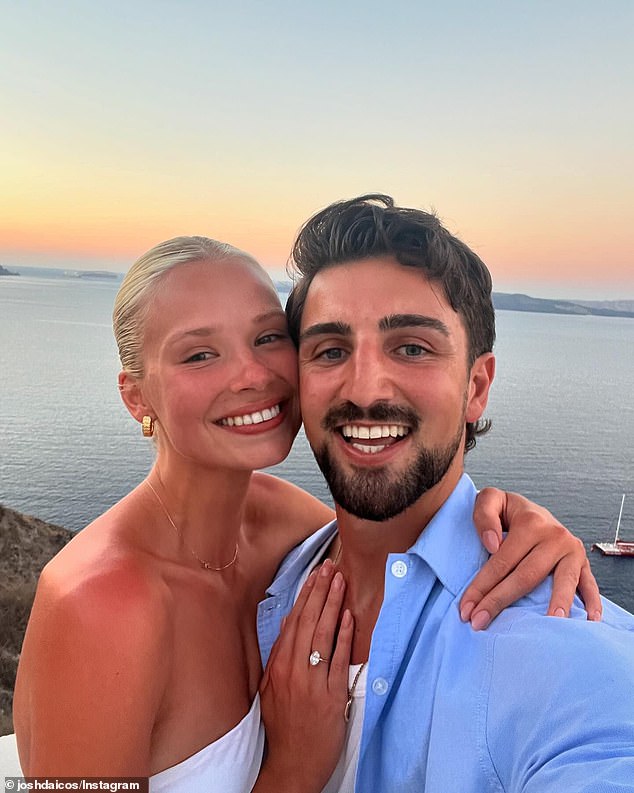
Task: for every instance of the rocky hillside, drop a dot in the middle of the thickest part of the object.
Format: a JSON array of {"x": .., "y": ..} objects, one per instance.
[{"x": 26, "y": 545}]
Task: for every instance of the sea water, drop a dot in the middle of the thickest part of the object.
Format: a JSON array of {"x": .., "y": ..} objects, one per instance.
[{"x": 562, "y": 407}]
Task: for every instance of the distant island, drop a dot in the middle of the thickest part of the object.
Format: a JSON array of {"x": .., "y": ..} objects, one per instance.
[
  {"x": 92, "y": 274},
  {"x": 283, "y": 286},
  {"x": 57, "y": 272}
]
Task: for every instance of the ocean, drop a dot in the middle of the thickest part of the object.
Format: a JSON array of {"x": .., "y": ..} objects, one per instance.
[{"x": 562, "y": 408}]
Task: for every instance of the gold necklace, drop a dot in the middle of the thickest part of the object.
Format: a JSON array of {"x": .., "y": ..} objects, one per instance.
[
  {"x": 202, "y": 562},
  {"x": 351, "y": 690},
  {"x": 336, "y": 559}
]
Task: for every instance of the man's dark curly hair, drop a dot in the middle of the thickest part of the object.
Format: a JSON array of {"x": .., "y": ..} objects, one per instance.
[{"x": 372, "y": 226}]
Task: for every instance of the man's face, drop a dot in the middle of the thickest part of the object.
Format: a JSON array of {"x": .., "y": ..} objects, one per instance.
[{"x": 384, "y": 384}]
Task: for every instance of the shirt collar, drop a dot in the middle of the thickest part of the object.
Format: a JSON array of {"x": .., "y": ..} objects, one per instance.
[
  {"x": 296, "y": 561},
  {"x": 449, "y": 543}
]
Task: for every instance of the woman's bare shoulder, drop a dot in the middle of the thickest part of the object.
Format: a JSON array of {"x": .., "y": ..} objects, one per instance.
[
  {"x": 105, "y": 563},
  {"x": 99, "y": 632},
  {"x": 288, "y": 509},
  {"x": 100, "y": 583}
]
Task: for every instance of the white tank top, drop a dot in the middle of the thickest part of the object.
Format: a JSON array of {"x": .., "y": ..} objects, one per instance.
[
  {"x": 343, "y": 777},
  {"x": 229, "y": 765}
]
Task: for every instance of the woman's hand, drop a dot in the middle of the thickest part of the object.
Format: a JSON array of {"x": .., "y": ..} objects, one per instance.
[
  {"x": 537, "y": 544},
  {"x": 302, "y": 704}
]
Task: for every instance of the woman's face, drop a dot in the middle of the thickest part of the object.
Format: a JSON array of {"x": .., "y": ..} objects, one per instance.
[{"x": 220, "y": 368}]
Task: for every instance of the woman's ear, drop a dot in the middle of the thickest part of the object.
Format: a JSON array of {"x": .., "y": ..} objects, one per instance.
[
  {"x": 481, "y": 377},
  {"x": 133, "y": 397}
]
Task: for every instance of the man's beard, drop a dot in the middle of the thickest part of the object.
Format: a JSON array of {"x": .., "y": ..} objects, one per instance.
[{"x": 376, "y": 494}]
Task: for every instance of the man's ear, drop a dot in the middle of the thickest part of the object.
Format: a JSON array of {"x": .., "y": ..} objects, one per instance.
[
  {"x": 480, "y": 379},
  {"x": 133, "y": 396}
]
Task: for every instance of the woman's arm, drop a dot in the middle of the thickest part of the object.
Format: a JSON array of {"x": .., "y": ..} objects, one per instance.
[
  {"x": 91, "y": 675},
  {"x": 537, "y": 545}
]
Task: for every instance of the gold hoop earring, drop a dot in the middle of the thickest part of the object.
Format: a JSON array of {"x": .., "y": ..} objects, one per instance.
[{"x": 147, "y": 426}]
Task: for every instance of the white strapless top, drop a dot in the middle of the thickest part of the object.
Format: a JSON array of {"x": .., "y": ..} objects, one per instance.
[{"x": 229, "y": 765}]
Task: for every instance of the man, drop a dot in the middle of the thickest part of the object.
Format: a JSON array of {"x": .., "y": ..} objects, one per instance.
[{"x": 395, "y": 328}]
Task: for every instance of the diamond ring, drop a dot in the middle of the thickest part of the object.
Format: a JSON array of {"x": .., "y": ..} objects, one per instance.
[{"x": 315, "y": 657}]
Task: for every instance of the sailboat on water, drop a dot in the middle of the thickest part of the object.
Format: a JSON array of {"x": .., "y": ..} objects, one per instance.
[{"x": 618, "y": 547}]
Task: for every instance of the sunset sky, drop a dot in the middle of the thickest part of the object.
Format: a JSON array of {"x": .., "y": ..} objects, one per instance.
[{"x": 125, "y": 123}]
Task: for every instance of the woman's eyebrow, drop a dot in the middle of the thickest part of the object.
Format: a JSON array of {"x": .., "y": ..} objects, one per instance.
[
  {"x": 183, "y": 334},
  {"x": 276, "y": 313},
  {"x": 210, "y": 330}
]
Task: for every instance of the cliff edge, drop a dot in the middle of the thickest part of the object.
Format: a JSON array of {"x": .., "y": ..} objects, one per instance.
[{"x": 26, "y": 545}]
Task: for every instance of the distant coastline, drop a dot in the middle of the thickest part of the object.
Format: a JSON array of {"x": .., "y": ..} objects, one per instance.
[
  {"x": 504, "y": 301},
  {"x": 599, "y": 308}
]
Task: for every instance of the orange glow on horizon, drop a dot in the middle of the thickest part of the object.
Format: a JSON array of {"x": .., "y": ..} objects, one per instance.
[
  {"x": 129, "y": 240},
  {"x": 516, "y": 245}
]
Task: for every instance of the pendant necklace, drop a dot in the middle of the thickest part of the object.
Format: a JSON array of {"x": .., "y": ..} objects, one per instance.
[{"x": 351, "y": 690}]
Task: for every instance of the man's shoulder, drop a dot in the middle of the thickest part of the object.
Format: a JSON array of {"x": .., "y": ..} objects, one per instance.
[
  {"x": 562, "y": 688},
  {"x": 529, "y": 614},
  {"x": 526, "y": 657},
  {"x": 550, "y": 657}
]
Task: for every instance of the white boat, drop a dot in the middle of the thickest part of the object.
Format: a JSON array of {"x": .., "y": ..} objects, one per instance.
[{"x": 618, "y": 547}]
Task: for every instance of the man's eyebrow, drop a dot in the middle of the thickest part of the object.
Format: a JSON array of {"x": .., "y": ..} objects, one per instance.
[
  {"x": 396, "y": 321},
  {"x": 326, "y": 328}
]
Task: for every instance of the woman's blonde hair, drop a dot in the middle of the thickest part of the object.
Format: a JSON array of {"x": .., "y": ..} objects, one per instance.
[{"x": 140, "y": 282}]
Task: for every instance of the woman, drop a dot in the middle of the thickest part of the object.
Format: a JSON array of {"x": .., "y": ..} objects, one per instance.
[{"x": 141, "y": 656}]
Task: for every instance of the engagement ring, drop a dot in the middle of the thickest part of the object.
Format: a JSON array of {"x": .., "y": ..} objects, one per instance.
[{"x": 315, "y": 657}]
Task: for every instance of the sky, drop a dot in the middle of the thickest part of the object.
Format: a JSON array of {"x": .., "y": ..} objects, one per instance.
[{"x": 126, "y": 123}]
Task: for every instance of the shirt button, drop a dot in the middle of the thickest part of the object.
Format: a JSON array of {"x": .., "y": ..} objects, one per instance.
[
  {"x": 380, "y": 686},
  {"x": 399, "y": 569}
]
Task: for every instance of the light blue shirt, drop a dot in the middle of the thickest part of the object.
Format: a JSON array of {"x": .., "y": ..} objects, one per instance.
[{"x": 533, "y": 704}]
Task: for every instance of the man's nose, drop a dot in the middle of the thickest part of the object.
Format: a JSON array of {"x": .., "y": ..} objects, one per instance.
[{"x": 367, "y": 378}]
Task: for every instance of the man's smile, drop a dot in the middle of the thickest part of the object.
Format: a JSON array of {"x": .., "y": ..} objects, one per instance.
[{"x": 385, "y": 434}]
